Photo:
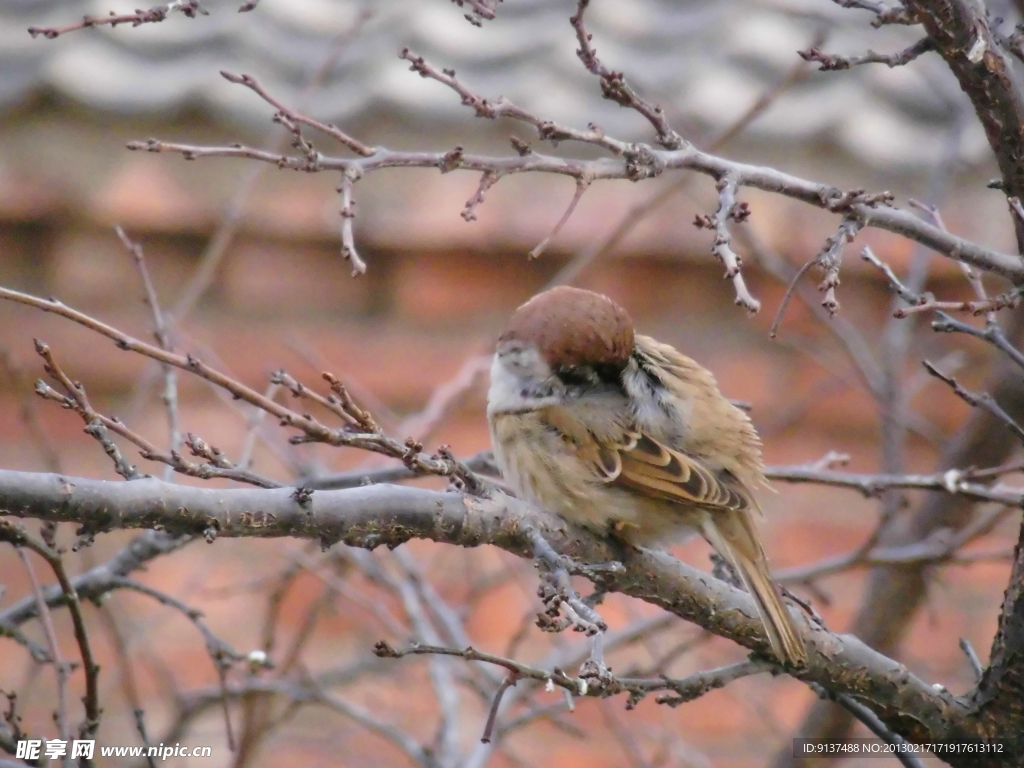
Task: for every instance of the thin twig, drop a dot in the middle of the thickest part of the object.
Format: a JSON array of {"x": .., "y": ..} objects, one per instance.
[
  {"x": 980, "y": 400},
  {"x": 348, "y": 215},
  {"x": 189, "y": 8},
  {"x": 644, "y": 163},
  {"x": 972, "y": 658},
  {"x": 163, "y": 337},
  {"x": 728, "y": 208},
  {"x": 492, "y": 715},
  {"x": 298, "y": 117},
  {"x": 140, "y": 726},
  {"x": 953, "y": 481},
  {"x": 581, "y": 186},
  {"x": 563, "y": 605},
  {"x": 217, "y": 467},
  {"x": 636, "y": 214},
  {"x": 992, "y": 333},
  {"x": 831, "y": 62},
  {"x": 884, "y": 14},
  {"x": 253, "y": 429},
  {"x": 614, "y": 86},
  {"x": 491, "y": 109},
  {"x": 682, "y": 689},
  {"x": 907, "y": 758},
  {"x": 487, "y": 180},
  {"x": 311, "y": 430},
  {"x": 21, "y": 538},
  {"x": 77, "y": 401},
  {"x": 926, "y": 303},
  {"x": 482, "y": 9},
  {"x": 61, "y": 667}
]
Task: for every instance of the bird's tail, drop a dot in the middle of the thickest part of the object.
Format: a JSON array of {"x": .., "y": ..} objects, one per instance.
[{"x": 735, "y": 540}]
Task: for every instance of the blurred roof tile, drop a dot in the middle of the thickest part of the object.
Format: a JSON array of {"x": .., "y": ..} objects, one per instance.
[{"x": 706, "y": 61}]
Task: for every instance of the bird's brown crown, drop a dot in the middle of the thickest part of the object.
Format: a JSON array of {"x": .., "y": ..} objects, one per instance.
[{"x": 572, "y": 327}]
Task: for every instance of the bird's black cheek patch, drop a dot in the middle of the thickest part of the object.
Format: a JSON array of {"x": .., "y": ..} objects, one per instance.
[
  {"x": 591, "y": 375},
  {"x": 577, "y": 375}
]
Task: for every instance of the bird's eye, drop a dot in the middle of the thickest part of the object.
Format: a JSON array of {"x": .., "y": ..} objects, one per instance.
[{"x": 577, "y": 376}]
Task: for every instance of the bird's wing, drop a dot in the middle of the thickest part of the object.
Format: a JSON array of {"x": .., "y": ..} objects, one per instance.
[{"x": 645, "y": 465}]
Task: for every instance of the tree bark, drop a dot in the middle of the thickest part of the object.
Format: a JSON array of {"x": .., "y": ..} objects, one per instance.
[{"x": 391, "y": 515}]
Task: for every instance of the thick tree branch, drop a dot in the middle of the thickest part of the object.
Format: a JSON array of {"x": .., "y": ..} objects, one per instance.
[
  {"x": 381, "y": 514},
  {"x": 999, "y": 697},
  {"x": 960, "y": 32}
]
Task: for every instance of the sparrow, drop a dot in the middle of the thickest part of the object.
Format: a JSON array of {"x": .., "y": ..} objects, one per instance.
[{"x": 625, "y": 435}]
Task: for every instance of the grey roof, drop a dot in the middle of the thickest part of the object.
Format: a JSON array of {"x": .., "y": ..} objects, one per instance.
[{"x": 706, "y": 61}]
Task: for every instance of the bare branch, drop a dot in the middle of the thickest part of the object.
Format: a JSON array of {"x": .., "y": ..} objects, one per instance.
[
  {"x": 292, "y": 116},
  {"x": 831, "y": 62},
  {"x": 871, "y": 485},
  {"x": 902, "y": 290},
  {"x": 222, "y": 653},
  {"x": 829, "y": 258},
  {"x": 20, "y": 538},
  {"x": 614, "y": 87},
  {"x": 61, "y": 667},
  {"x": 925, "y": 303},
  {"x": 163, "y": 337},
  {"x": 992, "y": 333},
  {"x": 568, "y": 274},
  {"x": 980, "y": 400},
  {"x": 76, "y": 400},
  {"x": 487, "y": 180},
  {"x": 482, "y": 462},
  {"x": 481, "y": 9},
  {"x": 564, "y": 606},
  {"x": 218, "y": 466},
  {"x": 644, "y": 163},
  {"x": 941, "y": 548},
  {"x": 311, "y": 430},
  {"x": 728, "y": 208},
  {"x": 683, "y": 689},
  {"x": 446, "y": 396},
  {"x": 348, "y": 214},
  {"x": 510, "y": 680},
  {"x": 581, "y": 186},
  {"x": 905, "y": 756},
  {"x": 375, "y": 515},
  {"x": 189, "y": 8},
  {"x": 885, "y": 14},
  {"x": 972, "y": 658},
  {"x": 98, "y": 581},
  {"x": 547, "y": 130},
  {"x": 874, "y": 485}
]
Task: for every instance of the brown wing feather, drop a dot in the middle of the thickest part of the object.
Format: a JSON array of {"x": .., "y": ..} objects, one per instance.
[{"x": 646, "y": 465}]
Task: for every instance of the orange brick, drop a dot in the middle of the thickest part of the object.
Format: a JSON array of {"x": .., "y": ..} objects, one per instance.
[
  {"x": 273, "y": 278},
  {"x": 463, "y": 287}
]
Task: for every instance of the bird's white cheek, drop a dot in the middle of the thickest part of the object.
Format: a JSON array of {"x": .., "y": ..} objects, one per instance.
[
  {"x": 502, "y": 393},
  {"x": 511, "y": 393}
]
